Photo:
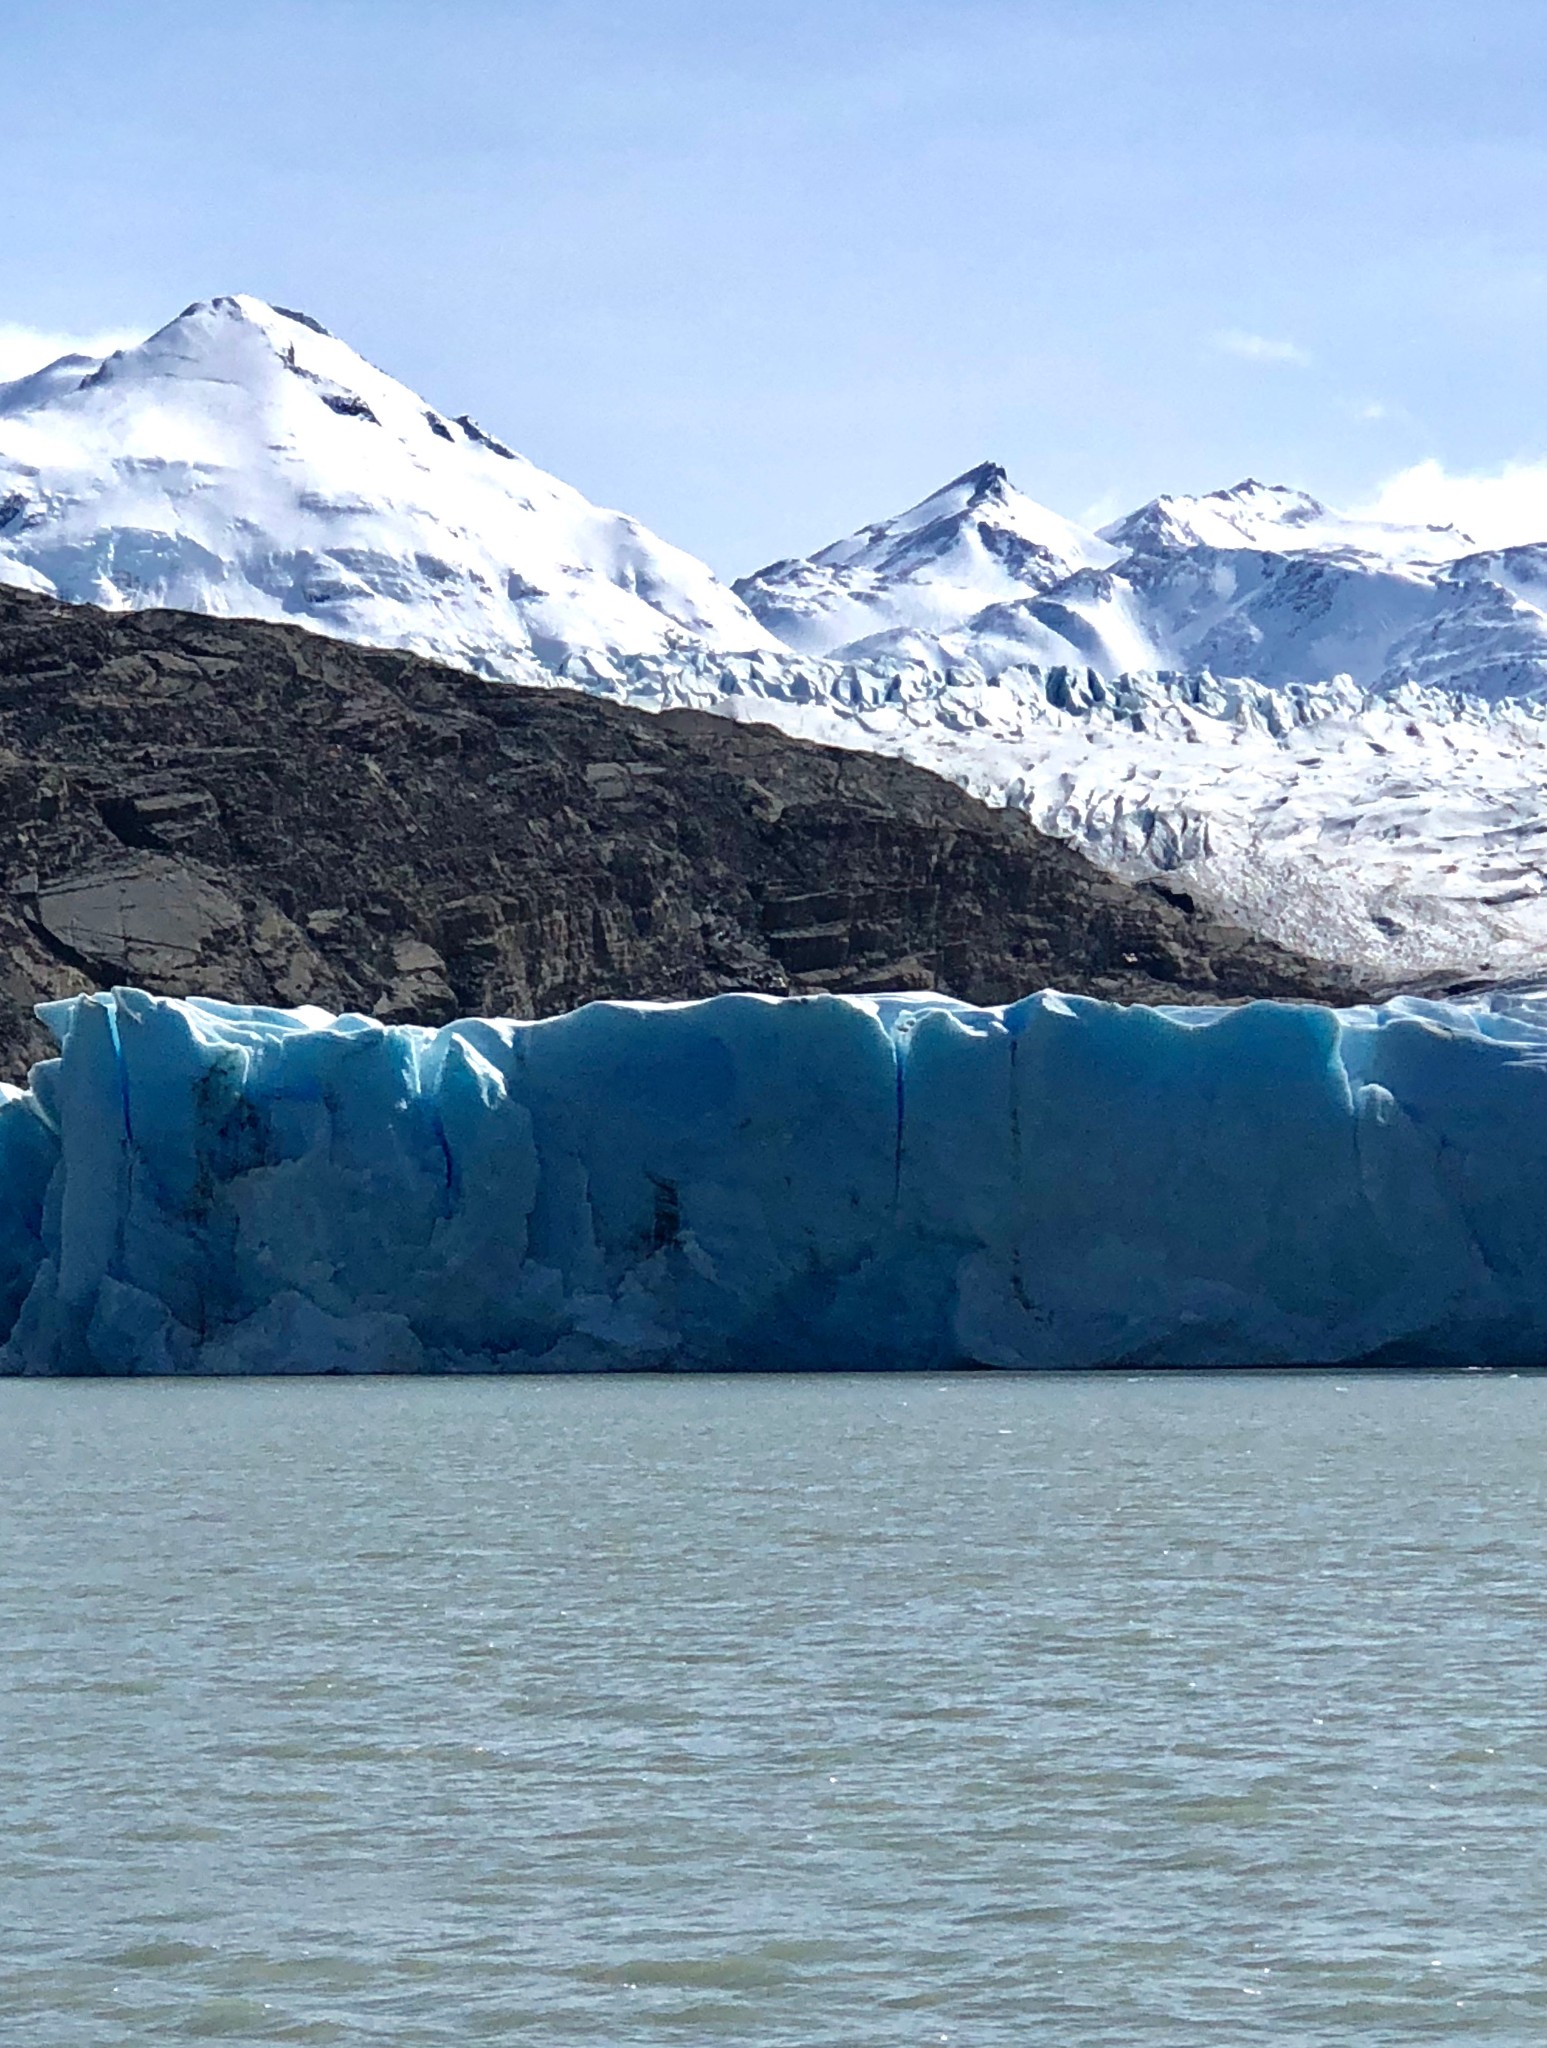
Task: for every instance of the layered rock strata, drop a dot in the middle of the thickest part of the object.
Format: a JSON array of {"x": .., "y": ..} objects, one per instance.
[{"x": 252, "y": 812}]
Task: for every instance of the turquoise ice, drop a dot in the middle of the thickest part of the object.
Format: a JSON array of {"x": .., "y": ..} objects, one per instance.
[{"x": 834, "y": 1182}]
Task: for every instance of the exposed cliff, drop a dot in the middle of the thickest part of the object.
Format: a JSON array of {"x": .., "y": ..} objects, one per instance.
[{"x": 250, "y": 811}]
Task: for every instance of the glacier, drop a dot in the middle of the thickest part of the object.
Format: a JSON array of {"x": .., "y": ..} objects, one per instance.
[
  {"x": 1327, "y": 727},
  {"x": 833, "y": 1182},
  {"x": 1401, "y": 834}
]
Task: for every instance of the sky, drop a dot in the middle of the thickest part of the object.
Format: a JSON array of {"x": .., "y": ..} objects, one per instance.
[{"x": 760, "y": 275}]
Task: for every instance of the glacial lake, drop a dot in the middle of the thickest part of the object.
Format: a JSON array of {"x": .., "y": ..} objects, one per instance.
[{"x": 1095, "y": 1712}]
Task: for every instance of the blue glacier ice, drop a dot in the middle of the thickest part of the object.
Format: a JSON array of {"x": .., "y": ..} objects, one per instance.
[{"x": 837, "y": 1182}]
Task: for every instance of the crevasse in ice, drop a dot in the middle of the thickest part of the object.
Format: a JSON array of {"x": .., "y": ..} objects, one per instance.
[{"x": 833, "y": 1182}]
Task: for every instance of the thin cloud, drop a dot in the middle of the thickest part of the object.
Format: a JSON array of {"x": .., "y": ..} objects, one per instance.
[
  {"x": 1107, "y": 507},
  {"x": 1502, "y": 508},
  {"x": 24, "y": 349},
  {"x": 1259, "y": 348}
]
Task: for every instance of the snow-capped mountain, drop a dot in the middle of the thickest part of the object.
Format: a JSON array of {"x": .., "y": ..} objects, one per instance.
[
  {"x": 244, "y": 461},
  {"x": 1256, "y": 581},
  {"x": 1277, "y": 520},
  {"x": 1371, "y": 785},
  {"x": 976, "y": 542}
]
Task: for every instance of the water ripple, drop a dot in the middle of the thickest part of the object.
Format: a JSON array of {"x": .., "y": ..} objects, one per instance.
[{"x": 1111, "y": 1713}]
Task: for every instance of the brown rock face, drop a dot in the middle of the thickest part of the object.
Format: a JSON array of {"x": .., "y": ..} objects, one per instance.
[{"x": 245, "y": 810}]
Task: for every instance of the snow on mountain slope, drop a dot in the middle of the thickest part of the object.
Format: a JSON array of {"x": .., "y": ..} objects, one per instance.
[
  {"x": 244, "y": 461},
  {"x": 1278, "y": 619},
  {"x": 1279, "y": 520},
  {"x": 1488, "y": 631},
  {"x": 1256, "y": 581},
  {"x": 976, "y": 542},
  {"x": 1476, "y": 626}
]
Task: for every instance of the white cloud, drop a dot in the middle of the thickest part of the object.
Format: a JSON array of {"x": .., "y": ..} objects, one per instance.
[
  {"x": 1101, "y": 510},
  {"x": 1374, "y": 411},
  {"x": 1498, "y": 510},
  {"x": 23, "y": 349},
  {"x": 1259, "y": 348}
]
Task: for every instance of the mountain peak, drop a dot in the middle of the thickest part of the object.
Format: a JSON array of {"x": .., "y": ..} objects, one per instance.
[
  {"x": 975, "y": 542},
  {"x": 1273, "y": 519},
  {"x": 986, "y": 480},
  {"x": 1252, "y": 488},
  {"x": 243, "y": 460},
  {"x": 250, "y": 311}
]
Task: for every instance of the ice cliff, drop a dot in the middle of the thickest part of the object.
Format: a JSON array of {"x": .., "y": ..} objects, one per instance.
[{"x": 831, "y": 1182}]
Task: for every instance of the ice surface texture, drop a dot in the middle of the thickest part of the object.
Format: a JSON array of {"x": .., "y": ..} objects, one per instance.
[
  {"x": 1327, "y": 728},
  {"x": 829, "y": 1182}
]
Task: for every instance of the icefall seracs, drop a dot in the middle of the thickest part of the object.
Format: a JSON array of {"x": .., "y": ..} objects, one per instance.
[{"x": 1329, "y": 727}]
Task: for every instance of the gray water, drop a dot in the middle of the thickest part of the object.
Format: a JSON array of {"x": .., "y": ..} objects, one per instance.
[{"x": 992, "y": 1711}]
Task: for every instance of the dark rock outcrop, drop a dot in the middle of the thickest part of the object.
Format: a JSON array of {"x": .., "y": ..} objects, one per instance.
[{"x": 250, "y": 811}]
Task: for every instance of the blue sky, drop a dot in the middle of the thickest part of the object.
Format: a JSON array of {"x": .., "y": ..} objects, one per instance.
[{"x": 761, "y": 274}]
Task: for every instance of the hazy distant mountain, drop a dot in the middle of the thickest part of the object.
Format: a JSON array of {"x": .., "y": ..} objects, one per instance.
[{"x": 1280, "y": 521}]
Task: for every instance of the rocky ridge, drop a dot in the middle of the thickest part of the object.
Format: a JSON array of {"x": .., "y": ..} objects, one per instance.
[
  {"x": 1329, "y": 728},
  {"x": 252, "y": 811}
]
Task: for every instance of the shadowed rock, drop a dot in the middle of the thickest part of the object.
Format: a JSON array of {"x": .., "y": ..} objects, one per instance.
[{"x": 250, "y": 811}]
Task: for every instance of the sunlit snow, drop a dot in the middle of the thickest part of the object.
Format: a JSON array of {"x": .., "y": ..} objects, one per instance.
[
  {"x": 241, "y": 461},
  {"x": 1330, "y": 726}
]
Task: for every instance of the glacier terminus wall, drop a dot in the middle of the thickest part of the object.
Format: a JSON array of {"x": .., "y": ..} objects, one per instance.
[{"x": 753, "y": 1182}]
